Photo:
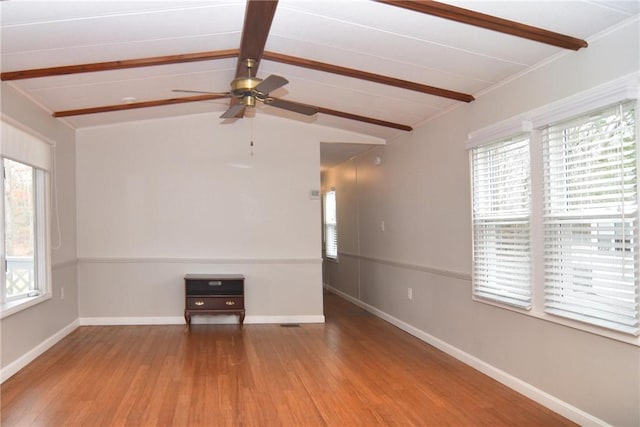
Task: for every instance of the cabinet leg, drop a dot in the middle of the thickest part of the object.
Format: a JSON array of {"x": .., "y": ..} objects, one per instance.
[
  {"x": 242, "y": 317},
  {"x": 187, "y": 317}
]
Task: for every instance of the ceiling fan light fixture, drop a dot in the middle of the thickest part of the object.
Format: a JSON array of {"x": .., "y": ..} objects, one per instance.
[{"x": 249, "y": 101}]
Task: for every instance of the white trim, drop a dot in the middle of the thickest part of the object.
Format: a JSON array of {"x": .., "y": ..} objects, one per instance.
[
  {"x": 13, "y": 307},
  {"x": 26, "y": 129},
  {"x": 15, "y": 366},
  {"x": 559, "y": 406},
  {"x": 160, "y": 260},
  {"x": 42, "y": 266},
  {"x": 564, "y": 321},
  {"x": 501, "y": 130},
  {"x": 39, "y": 104},
  {"x": 196, "y": 319},
  {"x": 410, "y": 266},
  {"x": 546, "y": 61},
  {"x": 619, "y": 90},
  {"x": 538, "y": 65},
  {"x": 604, "y": 33},
  {"x": 553, "y": 58}
]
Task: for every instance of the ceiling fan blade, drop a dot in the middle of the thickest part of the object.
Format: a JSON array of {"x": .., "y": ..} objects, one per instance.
[
  {"x": 233, "y": 111},
  {"x": 201, "y": 91},
  {"x": 270, "y": 84},
  {"x": 296, "y": 107}
]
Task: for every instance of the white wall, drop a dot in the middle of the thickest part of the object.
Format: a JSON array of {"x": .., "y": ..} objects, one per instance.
[
  {"x": 422, "y": 193},
  {"x": 28, "y": 332},
  {"x": 162, "y": 198}
]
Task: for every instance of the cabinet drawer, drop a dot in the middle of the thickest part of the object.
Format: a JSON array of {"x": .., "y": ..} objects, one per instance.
[
  {"x": 214, "y": 287},
  {"x": 211, "y": 303}
]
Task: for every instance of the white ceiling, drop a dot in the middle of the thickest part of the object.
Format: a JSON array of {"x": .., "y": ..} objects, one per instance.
[{"x": 364, "y": 35}]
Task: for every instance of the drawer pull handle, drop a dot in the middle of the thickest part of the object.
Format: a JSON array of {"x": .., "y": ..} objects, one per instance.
[
  {"x": 199, "y": 303},
  {"x": 215, "y": 283},
  {"x": 230, "y": 303}
]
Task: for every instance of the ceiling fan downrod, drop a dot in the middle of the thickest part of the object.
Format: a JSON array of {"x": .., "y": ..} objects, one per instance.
[{"x": 243, "y": 87}]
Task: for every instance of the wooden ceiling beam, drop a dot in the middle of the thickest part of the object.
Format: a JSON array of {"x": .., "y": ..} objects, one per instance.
[
  {"x": 363, "y": 75},
  {"x": 364, "y": 119},
  {"x": 231, "y": 53},
  {"x": 134, "y": 105},
  {"x": 258, "y": 17},
  {"x": 255, "y": 30},
  {"x": 119, "y": 65},
  {"x": 209, "y": 97},
  {"x": 489, "y": 22}
]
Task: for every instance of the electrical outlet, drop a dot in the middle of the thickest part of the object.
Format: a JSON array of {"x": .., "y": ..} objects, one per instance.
[
  {"x": 410, "y": 293},
  {"x": 61, "y": 293}
]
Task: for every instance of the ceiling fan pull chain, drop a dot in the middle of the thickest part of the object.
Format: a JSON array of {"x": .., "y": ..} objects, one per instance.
[{"x": 251, "y": 134}]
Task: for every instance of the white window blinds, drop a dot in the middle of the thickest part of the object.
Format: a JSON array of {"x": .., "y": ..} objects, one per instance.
[
  {"x": 501, "y": 222},
  {"x": 330, "y": 225},
  {"x": 591, "y": 219}
]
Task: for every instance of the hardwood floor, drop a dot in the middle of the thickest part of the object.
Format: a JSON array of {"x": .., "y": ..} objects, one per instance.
[{"x": 355, "y": 370}]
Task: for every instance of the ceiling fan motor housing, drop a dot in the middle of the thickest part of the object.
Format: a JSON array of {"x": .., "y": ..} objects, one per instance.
[{"x": 242, "y": 88}]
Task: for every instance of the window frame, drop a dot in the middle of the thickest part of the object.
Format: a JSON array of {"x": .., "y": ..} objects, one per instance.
[
  {"x": 33, "y": 290},
  {"x": 619, "y": 91},
  {"x": 491, "y": 210},
  {"x": 560, "y": 216},
  {"x": 326, "y": 226},
  {"x": 22, "y": 145}
]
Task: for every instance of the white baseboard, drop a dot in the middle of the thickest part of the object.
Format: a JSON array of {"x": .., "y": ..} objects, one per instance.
[
  {"x": 195, "y": 319},
  {"x": 13, "y": 367},
  {"x": 559, "y": 406}
]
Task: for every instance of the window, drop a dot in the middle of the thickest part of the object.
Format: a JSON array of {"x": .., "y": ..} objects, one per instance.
[
  {"x": 501, "y": 211},
  {"x": 555, "y": 217},
  {"x": 19, "y": 230},
  {"x": 23, "y": 226},
  {"x": 591, "y": 219},
  {"x": 330, "y": 226}
]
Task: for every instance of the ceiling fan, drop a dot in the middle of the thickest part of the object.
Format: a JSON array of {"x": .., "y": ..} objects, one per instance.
[{"x": 247, "y": 90}]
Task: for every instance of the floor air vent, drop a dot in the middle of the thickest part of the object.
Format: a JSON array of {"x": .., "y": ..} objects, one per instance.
[{"x": 357, "y": 313}]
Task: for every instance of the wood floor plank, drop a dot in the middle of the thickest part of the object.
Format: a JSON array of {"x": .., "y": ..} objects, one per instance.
[{"x": 354, "y": 370}]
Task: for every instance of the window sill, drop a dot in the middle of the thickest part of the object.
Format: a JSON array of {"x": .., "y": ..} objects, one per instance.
[
  {"x": 574, "y": 324},
  {"x": 9, "y": 308}
]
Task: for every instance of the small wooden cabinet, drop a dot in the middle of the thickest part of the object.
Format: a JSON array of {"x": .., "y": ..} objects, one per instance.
[{"x": 213, "y": 294}]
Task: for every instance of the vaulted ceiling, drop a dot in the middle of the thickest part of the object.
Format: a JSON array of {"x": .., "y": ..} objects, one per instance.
[{"x": 378, "y": 68}]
